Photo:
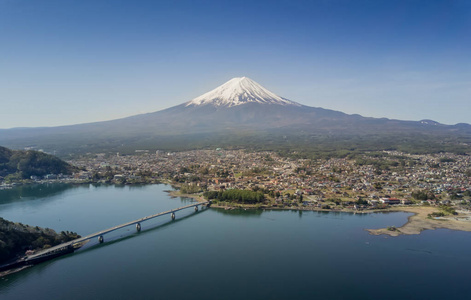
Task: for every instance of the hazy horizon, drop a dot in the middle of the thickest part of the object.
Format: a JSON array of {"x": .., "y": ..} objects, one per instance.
[
  {"x": 66, "y": 62},
  {"x": 142, "y": 113}
]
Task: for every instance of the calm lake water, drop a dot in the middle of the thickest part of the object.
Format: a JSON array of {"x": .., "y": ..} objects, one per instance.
[{"x": 217, "y": 254}]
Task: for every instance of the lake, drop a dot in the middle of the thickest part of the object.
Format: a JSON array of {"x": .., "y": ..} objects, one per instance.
[{"x": 218, "y": 254}]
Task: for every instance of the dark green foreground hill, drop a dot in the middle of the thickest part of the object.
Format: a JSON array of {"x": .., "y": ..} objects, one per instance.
[
  {"x": 23, "y": 164},
  {"x": 16, "y": 238}
]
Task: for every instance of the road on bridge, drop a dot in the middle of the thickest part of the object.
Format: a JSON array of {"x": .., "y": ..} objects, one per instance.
[{"x": 69, "y": 245}]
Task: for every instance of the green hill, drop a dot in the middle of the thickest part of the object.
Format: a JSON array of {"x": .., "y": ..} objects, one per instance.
[
  {"x": 16, "y": 238},
  {"x": 23, "y": 164}
]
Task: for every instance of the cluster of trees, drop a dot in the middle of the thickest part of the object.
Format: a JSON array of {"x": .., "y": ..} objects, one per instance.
[
  {"x": 239, "y": 196},
  {"x": 183, "y": 179},
  {"x": 377, "y": 164},
  {"x": 254, "y": 171},
  {"x": 190, "y": 189},
  {"x": 24, "y": 164},
  {"x": 445, "y": 210},
  {"x": 423, "y": 195},
  {"x": 447, "y": 159},
  {"x": 448, "y": 210},
  {"x": 16, "y": 238},
  {"x": 436, "y": 214},
  {"x": 108, "y": 175}
]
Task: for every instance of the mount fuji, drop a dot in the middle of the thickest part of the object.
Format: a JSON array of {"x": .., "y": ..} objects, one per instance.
[
  {"x": 238, "y": 91},
  {"x": 238, "y": 113}
]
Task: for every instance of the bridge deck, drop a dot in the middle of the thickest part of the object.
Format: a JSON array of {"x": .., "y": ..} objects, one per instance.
[{"x": 97, "y": 234}]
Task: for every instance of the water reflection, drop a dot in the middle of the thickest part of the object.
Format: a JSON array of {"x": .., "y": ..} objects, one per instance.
[
  {"x": 129, "y": 232},
  {"x": 124, "y": 234},
  {"x": 35, "y": 191},
  {"x": 240, "y": 212},
  {"x": 326, "y": 255}
]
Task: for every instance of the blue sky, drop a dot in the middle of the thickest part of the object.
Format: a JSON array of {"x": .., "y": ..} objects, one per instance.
[{"x": 67, "y": 62}]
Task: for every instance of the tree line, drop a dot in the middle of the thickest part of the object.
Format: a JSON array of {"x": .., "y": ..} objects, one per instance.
[
  {"x": 16, "y": 238},
  {"x": 24, "y": 164},
  {"x": 236, "y": 195}
]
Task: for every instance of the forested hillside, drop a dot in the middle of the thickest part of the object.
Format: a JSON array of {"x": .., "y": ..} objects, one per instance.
[
  {"x": 16, "y": 238},
  {"x": 23, "y": 164}
]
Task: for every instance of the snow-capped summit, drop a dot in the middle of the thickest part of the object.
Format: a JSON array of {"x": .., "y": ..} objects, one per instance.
[{"x": 237, "y": 91}]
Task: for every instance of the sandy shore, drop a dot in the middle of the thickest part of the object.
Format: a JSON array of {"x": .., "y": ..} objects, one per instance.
[
  {"x": 414, "y": 225},
  {"x": 12, "y": 271},
  {"x": 175, "y": 194},
  {"x": 420, "y": 222}
]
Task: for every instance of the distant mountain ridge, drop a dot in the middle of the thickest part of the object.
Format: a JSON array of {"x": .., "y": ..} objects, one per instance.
[{"x": 238, "y": 113}]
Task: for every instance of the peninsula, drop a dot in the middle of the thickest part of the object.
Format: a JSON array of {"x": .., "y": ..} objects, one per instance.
[{"x": 436, "y": 186}]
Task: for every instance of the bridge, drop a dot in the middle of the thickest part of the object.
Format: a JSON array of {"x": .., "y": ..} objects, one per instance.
[{"x": 70, "y": 246}]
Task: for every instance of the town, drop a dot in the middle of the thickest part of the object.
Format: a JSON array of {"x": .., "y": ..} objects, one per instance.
[{"x": 372, "y": 180}]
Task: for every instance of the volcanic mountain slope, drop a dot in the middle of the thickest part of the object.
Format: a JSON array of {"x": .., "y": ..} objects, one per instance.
[
  {"x": 240, "y": 108},
  {"x": 238, "y": 91}
]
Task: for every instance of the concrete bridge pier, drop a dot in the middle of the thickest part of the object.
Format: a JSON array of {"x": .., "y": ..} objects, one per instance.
[{"x": 70, "y": 246}]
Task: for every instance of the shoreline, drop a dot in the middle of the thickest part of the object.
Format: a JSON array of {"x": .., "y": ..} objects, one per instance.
[
  {"x": 13, "y": 271},
  {"x": 415, "y": 224},
  {"x": 420, "y": 221}
]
